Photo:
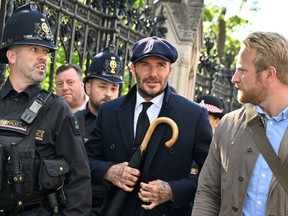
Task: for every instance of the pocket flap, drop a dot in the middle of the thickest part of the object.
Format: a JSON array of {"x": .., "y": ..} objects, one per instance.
[{"x": 56, "y": 167}]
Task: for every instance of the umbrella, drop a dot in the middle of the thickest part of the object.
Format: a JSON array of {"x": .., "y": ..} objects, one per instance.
[{"x": 118, "y": 199}]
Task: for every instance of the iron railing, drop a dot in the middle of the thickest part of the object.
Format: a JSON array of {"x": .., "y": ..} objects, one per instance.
[{"x": 83, "y": 28}]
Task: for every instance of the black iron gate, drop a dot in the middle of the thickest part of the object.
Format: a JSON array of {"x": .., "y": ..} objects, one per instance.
[{"x": 83, "y": 28}]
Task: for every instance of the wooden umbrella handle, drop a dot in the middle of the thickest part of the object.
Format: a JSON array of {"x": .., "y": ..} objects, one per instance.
[{"x": 152, "y": 127}]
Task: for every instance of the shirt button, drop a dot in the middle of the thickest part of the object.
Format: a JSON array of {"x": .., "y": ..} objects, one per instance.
[
  {"x": 16, "y": 99},
  {"x": 234, "y": 208},
  {"x": 241, "y": 178}
]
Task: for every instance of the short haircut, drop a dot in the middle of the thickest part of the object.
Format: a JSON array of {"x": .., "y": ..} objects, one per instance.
[
  {"x": 65, "y": 67},
  {"x": 271, "y": 50}
]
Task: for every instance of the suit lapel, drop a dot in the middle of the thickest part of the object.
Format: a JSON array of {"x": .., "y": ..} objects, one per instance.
[
  {"x": 125, "y": 117},
  {"x": 125, "y": 123}
]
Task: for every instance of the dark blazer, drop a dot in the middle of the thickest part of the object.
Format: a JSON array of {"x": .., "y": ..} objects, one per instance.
[{"x": 112, "y": 141}]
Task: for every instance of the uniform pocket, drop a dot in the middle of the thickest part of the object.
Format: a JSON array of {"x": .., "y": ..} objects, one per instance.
[{"x": 52, "y": 174}]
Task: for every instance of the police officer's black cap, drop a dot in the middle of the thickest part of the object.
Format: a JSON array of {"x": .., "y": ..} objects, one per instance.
[
  {"x": 212, "y": 104},
  {"x": 153, "y": 46},
  {"x": 107, "y": 66},
  {"x": 26, "y": 26}
]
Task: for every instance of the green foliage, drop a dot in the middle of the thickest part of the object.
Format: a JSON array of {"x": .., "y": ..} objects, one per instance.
[
  {"x": 126, "y": 81},
  {"x": 214, "y": 13}
]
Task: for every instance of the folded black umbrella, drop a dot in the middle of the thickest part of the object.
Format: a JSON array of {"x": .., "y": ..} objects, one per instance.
[{"x": 119, "y": 198}]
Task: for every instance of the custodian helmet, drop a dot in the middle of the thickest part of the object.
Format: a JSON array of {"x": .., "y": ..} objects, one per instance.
[
  {"x": 107, "y": 66},
  {"x": 26, "y": 26}
]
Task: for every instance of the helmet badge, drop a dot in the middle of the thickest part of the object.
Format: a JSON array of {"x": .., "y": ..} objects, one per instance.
[
  {"x": 113, "y": 64},
  {"x": 42, "y": 30},
  {"x": 44, "y": 25}
]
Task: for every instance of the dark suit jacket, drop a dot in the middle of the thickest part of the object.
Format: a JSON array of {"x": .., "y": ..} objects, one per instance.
[{"x": 112, "y": 141}]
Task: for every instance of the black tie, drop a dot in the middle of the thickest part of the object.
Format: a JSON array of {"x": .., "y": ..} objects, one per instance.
[{"x": 142, "y": 123}]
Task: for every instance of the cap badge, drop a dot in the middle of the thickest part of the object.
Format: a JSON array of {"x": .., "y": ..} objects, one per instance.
[
  {"x": 148, "y": 47},
  {"x": 44, "y": 26},
  {"x": 202, "y": 103},
  {"x": 43, "y": 31},
  {"x": 113, "y": 64}
]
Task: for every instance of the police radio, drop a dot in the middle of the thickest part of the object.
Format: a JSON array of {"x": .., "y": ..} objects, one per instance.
[{"x": 34, "y": 108}]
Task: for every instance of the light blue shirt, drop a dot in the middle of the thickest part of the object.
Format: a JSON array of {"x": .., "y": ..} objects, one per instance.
[{"x": 256, "y": 199}]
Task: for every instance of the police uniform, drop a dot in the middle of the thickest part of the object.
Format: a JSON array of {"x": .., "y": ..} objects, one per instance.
[
  {"x": 43, "y": 164},
  {"x": 106, "y": 66}
]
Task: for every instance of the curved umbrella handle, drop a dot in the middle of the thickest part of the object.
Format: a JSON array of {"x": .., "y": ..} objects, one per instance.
[
  {"x": 152, "y": 127},
  {"x": 115, "y": 206}
]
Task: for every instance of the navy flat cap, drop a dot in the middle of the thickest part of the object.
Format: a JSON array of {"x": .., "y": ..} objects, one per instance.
[{"x": 153, "y": 46}]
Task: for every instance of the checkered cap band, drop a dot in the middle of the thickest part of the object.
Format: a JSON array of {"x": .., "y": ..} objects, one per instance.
[{"x": 212, "y": 108}]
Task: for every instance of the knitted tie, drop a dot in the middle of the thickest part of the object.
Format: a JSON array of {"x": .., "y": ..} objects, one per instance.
[{"x": 142, "y": 123}]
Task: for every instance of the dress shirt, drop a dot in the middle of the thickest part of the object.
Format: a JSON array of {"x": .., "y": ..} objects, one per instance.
[{"x": 152, "y": 112}]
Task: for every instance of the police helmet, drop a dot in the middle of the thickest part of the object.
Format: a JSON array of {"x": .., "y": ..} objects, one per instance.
[
  {"x": 107, "y": 66},
  {"x": 26, "y": 26}
]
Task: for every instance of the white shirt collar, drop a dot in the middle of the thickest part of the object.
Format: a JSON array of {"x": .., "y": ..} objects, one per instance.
[{"x": 158, "y": 101}]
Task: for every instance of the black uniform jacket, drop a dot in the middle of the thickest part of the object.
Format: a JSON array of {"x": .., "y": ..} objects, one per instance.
[
  {"x": 58, "y": 134},
  {"x": 112, "y": 141},
  {"x": 86, "y": 121}
]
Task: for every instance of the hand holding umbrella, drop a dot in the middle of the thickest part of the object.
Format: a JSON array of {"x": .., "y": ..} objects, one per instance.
[{"x": 117, "y": 202}]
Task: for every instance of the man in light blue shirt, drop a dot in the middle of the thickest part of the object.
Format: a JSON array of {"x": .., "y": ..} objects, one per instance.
[
  {"x": 258, "y": 190},
  {"x": 236, "y": 180}
]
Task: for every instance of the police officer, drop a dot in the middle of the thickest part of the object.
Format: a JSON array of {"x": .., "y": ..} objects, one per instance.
[
  {"x": 44, "y": 161},
  {"x": 215, "y": 109},
  {"x": 102, "y": 83}
]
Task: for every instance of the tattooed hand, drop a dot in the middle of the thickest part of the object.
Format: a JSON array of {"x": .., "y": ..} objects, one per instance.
[
  {"x": 123, "y": 176},
  {"x": 155, "y": 193}
]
